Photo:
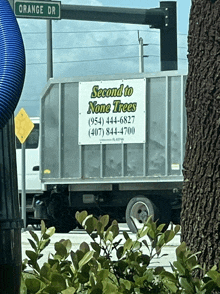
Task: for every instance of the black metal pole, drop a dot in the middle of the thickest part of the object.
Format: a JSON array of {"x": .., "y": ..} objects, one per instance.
[
  {"x": 168, "y": 37},
  {"x": 10, "y": 221},
  {"x": 153, "y": 16}
]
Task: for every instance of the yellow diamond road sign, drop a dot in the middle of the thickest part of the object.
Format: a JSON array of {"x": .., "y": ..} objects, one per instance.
[{"x": 23, "y": 126}]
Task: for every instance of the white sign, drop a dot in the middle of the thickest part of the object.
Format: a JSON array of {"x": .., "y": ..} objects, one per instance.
[{"x": 112, "y": 112}]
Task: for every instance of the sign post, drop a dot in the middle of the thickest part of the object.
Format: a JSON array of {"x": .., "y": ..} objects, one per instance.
[{"x": 23, "y": 128}]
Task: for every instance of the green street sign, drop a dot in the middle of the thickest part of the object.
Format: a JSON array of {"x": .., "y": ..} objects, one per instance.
[{"x": 37, "y": 9}]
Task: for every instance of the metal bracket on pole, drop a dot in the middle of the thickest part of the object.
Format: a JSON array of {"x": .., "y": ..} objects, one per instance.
[{"x": 167, "y": 18}]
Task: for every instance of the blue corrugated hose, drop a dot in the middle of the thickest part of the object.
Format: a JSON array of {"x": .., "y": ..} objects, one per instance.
[{"x": 12, "y": 62}]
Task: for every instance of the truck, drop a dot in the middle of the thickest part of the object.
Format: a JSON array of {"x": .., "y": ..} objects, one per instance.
[{"x": 111, "y": 145}]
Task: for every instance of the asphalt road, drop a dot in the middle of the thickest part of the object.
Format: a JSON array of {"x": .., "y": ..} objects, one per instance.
[{"x": 78, "y": 236}]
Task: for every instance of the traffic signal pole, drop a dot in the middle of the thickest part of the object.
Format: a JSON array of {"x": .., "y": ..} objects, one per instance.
[{"x": 163, "y": 18}]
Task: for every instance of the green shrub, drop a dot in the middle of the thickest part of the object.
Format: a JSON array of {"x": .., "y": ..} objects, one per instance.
[{"x": 112, "y": 265}]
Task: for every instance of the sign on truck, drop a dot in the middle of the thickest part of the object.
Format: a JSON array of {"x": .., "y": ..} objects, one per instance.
[{"x": 112, "y": 112}]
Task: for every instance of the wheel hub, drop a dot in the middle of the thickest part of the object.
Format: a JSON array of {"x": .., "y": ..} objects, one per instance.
[
  {"x": 140, "y": 212},
  {"x": 143, "y": 215}
]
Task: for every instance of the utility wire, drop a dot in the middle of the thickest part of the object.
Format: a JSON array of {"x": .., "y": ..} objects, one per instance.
[
  {"x": 86, "y": 32},
  {"x": 95, "y": 47},
  {"x": 97, "y": 31},
  {"x": 86, "y": 60},
  {"x": 91, "y": 60},
  {"x": 83, "y": 47}
]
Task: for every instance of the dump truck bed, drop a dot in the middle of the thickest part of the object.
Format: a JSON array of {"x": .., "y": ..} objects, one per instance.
[{"x": 113, "y": 129}]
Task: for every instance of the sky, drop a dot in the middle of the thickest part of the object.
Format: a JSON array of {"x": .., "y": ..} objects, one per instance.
[{"x": 82, "y": 48}]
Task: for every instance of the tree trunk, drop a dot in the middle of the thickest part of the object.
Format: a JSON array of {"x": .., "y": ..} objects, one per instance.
[{"x": 200, "y": 217}]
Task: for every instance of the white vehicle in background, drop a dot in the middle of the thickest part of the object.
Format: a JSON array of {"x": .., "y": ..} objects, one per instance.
[{"x": 33, "y": 183}]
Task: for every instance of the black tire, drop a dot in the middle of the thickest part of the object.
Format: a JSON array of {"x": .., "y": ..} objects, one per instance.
[
  {"x": 137, "y": 212},
  {"x": 62, "y": 224},
  {"x": 60, "y": 215}
]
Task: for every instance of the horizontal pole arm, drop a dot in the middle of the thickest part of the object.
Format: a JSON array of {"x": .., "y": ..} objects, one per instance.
[{"x": 154, "y": 17}]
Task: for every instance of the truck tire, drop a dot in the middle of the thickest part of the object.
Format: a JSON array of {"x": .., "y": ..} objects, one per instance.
[
  {"x": 36, "y": 227},
  {"x": 137, "y": 212},
  {"x": 60, "y": 216},
  {"x": 63, "y": 224}
]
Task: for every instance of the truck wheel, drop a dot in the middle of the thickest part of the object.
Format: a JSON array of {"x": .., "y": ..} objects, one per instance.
[
  {"x": 36, "y": 227},
  {"x": 62, "y": 224},
  {"x": 60, "y": 216},
  {"x": 137, "y": 212}
]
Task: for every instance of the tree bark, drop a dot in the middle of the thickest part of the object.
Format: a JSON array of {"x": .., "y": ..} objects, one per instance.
[{"x": 200, "y": 218}]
